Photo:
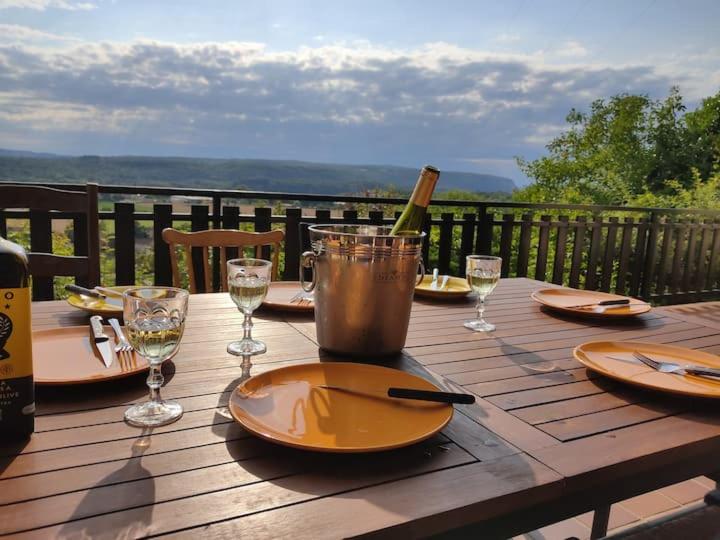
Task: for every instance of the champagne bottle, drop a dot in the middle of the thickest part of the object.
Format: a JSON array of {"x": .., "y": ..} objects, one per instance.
[
  {"x": 411, "y": 220},
  {"x": 17, "y": 393}
]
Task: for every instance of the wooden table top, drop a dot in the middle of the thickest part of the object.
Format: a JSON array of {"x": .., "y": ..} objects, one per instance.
[{"x": 547, "y": 438}]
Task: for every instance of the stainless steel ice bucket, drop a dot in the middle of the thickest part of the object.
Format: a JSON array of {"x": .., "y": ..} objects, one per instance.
[{"x": 363, "y": 281}]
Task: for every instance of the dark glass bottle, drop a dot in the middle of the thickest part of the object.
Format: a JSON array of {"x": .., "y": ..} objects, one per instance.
[
  {"x": 17, "y": 392},
  {"x": 413, "y": 216}
]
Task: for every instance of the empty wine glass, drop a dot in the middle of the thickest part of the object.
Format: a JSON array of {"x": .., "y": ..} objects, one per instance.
[
  {"x": 482, "y": 273},
  {"x": 248, "y": 281},
  {"x": 154, "y": 321}
]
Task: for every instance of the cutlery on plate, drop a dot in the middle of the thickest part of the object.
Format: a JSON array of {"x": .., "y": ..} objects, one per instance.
[
  {"x": 109, "y": 292},
  {"x": 444, "y": 282},
  {"x": 101, "y": 340},
  {"x": 409, "y": 393},
  {"x": 301, "y": 298},
  {"x": 435, "y": 275},
  {"x": 621, "y": 302},
  {"x": 677, "y": 369},
  {"x": 123, "y": 348},
  {"x": 90, "y": 293}
]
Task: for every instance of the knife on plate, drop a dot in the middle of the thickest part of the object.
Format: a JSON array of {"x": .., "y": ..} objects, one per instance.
[
  {"x": 90, "y": 293},
  {"x": 101, "y": 340}
]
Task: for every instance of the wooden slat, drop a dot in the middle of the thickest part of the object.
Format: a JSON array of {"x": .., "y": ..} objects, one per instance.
[
  {"x": 263, "y": 223},
  {"x": 80, "y": 246},
  {"x": 524, "y": 245},
  {"x": 163, "y": 220},
  {"x": 609, "y": 257},
  {"x": 350, "y": 216},
  {"x": 376, "y": 217},
  {"x": 124, "y": 244},
  {"x": 578, "y": 251},
  {"x": 231, "y": 220},
  {"x": 542, "y": 251},
  {"x": 638, "y": 256},
  {"x": 651, "y": 255},
  {"x": 560, "y": 250},
  {"x": 427, "y": 227},
  {"x": 703, "y": 260},
  {"x": 445, "y": 245},
  {"x": 591, "y": 281},
  {"x": 199, "y": 221},
  {"x": 3, "y": 224},
  {"x": 678, "y": 256},
  {"x": 625, "y": 252},
  {"x": 291, "y": 271},
  {"x": 483, "y": 241},
  {"x": 466, "y": 241},
  {"x": 664, "y": 262},
  {"x": 506, "y": 243},
  {"x": 714, "y": 261},
  {"x": 690, "y": 256},
  {"x": 41, "y": 242}
]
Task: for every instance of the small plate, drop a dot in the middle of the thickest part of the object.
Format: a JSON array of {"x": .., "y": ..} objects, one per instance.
[
  {"x": 456, "y": 288},
  {"x": 562, "y": 299},
  {"x": 66, "y": 356},
  {"x": 281, "y": 292},
  {"x": 97, "y": 306},
  {"x": 284, "y": 406},
  {"x": 601, "y": 356}
]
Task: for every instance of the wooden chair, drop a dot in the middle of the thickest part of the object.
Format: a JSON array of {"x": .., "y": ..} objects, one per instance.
[
  {"x": 40, "y": 201},
  {"x": 223, "y": 239}
]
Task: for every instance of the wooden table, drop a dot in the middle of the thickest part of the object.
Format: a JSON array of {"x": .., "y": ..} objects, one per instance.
[{"x": 547, "y": 439}]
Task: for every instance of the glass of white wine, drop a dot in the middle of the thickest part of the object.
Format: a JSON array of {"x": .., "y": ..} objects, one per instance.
[
  {"x": 482, "y": 273},
  {"x": 248, "y": 281},
  {"x": 154, "y": 322}
]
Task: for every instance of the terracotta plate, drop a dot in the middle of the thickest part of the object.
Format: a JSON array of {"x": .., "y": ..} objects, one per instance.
[
  {"x": 285, "y": 406},
  {"x": 66, "y": 356},
  {"x": 281, "y": 292},
  {"x": 614, "y": 359},
  {"x": 111, "y": 307},
  {"x": 562, "y": 299},
  {"x": 456, "y": 288}
]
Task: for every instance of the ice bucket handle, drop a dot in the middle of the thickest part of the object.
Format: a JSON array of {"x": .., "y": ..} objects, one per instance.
[{"x": 307, "y": 260}]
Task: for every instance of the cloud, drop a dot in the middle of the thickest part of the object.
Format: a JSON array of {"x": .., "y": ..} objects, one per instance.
[
  {"x": 13, "y": 33},
  {"x": 352, "y": 102},
  {"x": 573, "y": 49},
  {"x": 42, "y": 5}
]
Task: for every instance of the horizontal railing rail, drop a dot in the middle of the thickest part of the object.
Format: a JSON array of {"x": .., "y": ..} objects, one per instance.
[{"x": 661, "y": 254}]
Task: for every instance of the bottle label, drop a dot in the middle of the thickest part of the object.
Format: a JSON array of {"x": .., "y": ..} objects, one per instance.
[{"x": 16, "y": 369}]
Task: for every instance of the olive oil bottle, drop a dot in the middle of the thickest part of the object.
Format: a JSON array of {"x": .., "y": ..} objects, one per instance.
[
  {"x": 411, "y": 220},
  {"x": 17, "y": 392}
]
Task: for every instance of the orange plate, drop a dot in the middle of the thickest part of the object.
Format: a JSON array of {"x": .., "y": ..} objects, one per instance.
[
  {"x": 456, "y": 288},
  {"x": 560, "y": 299},
  {"x": 285, "y": 406},
  {"x": 99, "y": 306},
  {"x": 597, "y": 356},
  {"x": 66, "y": 356},
  {"x": 279, "y": 295}
]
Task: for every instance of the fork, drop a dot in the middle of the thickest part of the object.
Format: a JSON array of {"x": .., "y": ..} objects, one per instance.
[
  {"x": 123, "y": 349},
  {"x": 301, "y": 298},
  {"x": 671, "y": 367}
]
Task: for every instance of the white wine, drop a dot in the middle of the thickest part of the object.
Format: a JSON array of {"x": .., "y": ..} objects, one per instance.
[
  {"x": 248, "y": 292},
  {"x": 412, "y": 218},
  {"x": 482, "y": 282},
  {"x": 155, "y": 337},
  {"x": 17, "y": 392}
]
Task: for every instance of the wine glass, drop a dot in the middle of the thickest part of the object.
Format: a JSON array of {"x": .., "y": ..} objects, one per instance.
[
  {"x": 154, "y": 321},
  {"x": 482, "y": 273},
  {"x": 248, "y": 281}
]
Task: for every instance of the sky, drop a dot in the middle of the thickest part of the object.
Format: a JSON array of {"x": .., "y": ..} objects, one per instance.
[{"x": 464, "y": 85}]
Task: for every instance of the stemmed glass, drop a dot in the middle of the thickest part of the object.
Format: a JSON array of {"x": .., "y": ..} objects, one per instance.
[
  {"x": 482, "y": 273},
  {"x": 154, "y": 321},
  {"x": 248, "y": 281}
]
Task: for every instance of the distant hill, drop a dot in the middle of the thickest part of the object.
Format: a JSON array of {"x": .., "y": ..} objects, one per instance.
[{"x": 252, "y": 174}]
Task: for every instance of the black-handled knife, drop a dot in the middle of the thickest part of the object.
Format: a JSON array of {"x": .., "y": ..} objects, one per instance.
[
  {"x": 77, "y": 289},
  {"x": 409, "y": 393}
]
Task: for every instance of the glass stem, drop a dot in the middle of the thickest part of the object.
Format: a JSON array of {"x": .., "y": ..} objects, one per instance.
[
  {"x": 247, "y": 327},
  {"x": 481, "y": 308},
  {"x": 155, "y": 381}
]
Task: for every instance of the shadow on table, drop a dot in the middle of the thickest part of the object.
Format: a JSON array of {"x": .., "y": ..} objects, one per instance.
[{"x": 140, "y": 491}]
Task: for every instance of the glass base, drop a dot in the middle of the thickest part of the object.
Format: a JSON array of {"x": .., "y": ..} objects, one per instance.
[
  {"x": 246, "y": 347},
  {"x": 153, "y": 413},
  {"x": 479, "y": 326}
]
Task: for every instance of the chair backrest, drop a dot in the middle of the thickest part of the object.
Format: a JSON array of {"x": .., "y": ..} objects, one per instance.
[
  {"x": 40, "y": 201},
  {"x": 223, "y": 239}
]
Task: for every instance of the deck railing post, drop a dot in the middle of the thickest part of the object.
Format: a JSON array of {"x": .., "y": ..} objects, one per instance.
[
  {"x": 124, "y": 244},
  {"x": 162, "y": 219}
]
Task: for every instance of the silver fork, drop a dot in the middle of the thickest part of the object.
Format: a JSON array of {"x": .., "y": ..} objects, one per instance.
[
  {"x": 671, "y": 367},
  {"x": 123, "y": 348}
]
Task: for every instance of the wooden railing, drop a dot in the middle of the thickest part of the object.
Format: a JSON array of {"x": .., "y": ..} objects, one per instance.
[{"x": 663, "y": 255}]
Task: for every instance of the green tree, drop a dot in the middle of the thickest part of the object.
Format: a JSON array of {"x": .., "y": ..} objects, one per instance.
[{"x": 629, "y": 148}]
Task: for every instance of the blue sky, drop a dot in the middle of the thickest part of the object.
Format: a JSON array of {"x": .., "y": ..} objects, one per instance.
[{"x": 464, "y": 85}]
